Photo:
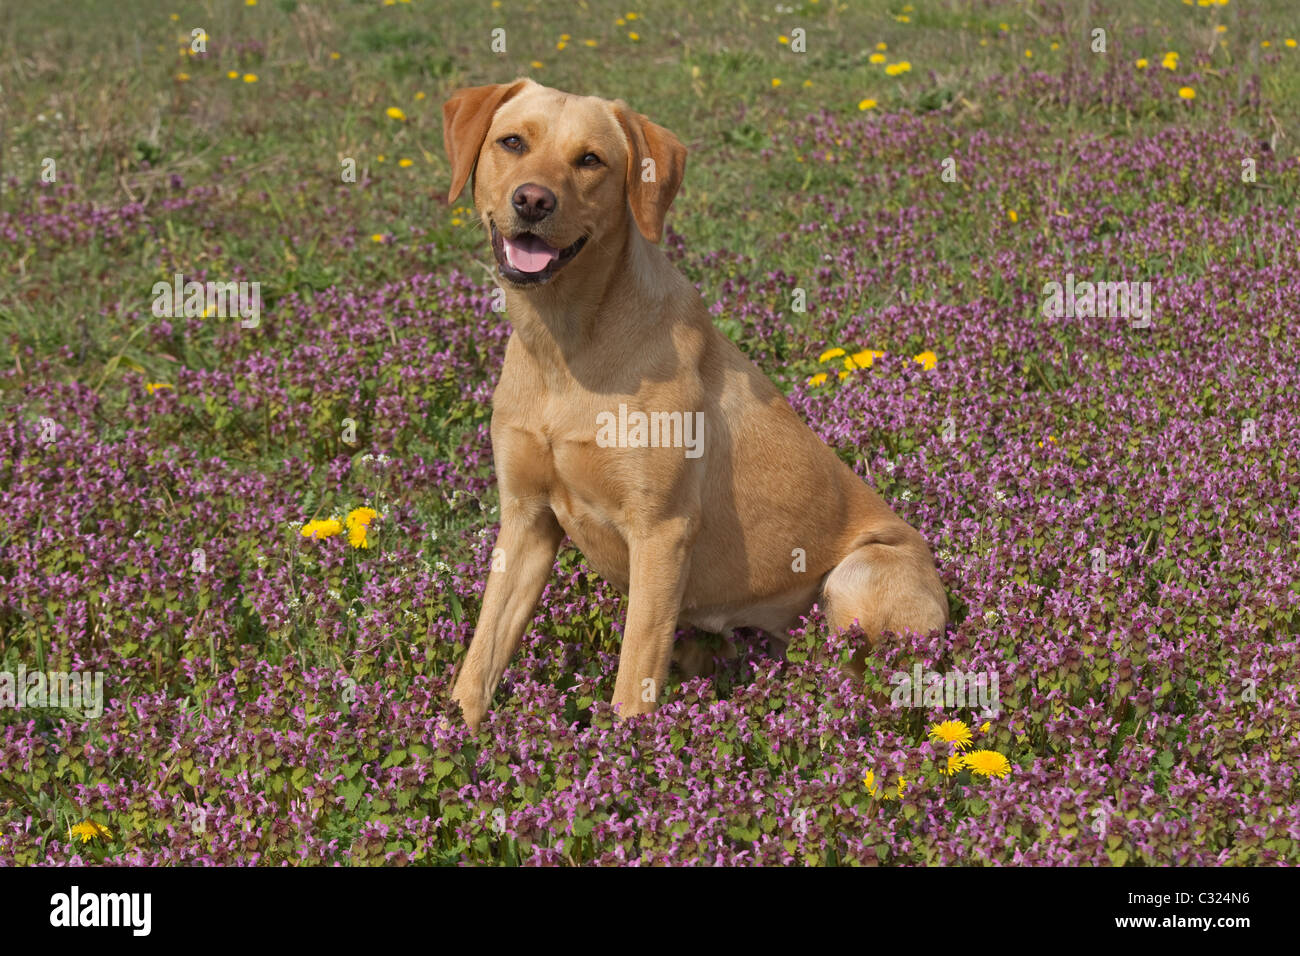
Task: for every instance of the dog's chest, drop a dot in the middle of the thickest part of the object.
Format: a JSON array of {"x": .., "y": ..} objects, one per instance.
[{"x": 554, "y": 443}]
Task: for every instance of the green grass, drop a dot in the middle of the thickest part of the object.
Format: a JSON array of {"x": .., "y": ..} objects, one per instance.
[{"x": 110, "y": 72}]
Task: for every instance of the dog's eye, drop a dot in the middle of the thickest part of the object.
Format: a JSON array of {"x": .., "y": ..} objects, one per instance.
[
  {"x": 590, "y": 159},
  {"x": 512, "y": 143}
]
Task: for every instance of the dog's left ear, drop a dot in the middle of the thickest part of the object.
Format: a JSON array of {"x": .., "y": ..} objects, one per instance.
[
  {"x": 656, "y": 163},
  {"x": 466, "y": 118}
]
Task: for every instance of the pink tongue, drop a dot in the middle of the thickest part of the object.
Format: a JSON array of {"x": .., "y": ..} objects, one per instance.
[{"x": 528, "y": 253}]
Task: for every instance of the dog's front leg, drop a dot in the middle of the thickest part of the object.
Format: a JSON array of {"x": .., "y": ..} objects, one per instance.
[
  {"x": 658, "y": 566},
  {"x": 521, "y": 563}
]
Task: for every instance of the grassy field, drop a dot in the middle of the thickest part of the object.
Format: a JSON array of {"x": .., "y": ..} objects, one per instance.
[{"x": 291, "y": 692}]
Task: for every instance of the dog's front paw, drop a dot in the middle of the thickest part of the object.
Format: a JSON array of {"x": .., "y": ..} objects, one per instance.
[{"x": 472, "y": 706}]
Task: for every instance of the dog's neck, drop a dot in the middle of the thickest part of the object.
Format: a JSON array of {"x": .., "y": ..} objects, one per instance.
[{"x": 588, "y": 303}]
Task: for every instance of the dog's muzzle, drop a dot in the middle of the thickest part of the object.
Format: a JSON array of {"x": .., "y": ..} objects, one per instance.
[{"x": 527, "y": 259}]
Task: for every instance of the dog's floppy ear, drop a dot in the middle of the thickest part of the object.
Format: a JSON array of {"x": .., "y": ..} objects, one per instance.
[
  {"x": 465, "y": 121},
  {"x": 656, "y": 163}
]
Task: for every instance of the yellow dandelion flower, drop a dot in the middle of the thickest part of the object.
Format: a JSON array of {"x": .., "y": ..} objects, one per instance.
[
  {"x": 987, "y": 763},
  {"x": 334, "y": 55},
  {"x": 870, "y": 781},
  {"x": 1012, "y": 215},
  {"x": 877, "y": 58},
  {"x": 882, "y": 46},
  {"x": 405, "y": 162},
  {"x": 927, "y": 360},
  {"x": 174, "y": 16},
  {"x": 1186, "y": 93},
  {"x": 1266, "y": 44},
  {"x": 380, "y": 158},
  {"x": 631, "y": 16},
  {"x": 323, "y": 528},
  {"x": 362, "y": 516},
  {"x": 953, "y": 732},
  {"x": 395, "y": 112},
  {"x": 1221, "y": 29},
  {"x": 419, "y": 96},
  {"x": 182, "y": 77},
  {"x": 232, "y": 75},
  {"x": 903, "y": 18},
  {"x": 250, "y": 77},
  {"x": 1029, "y": 53},
  {"x": 589, "y": 42},
  {"x": 864, "y": 359},
  {"x": 457, "y": 221},
  {"x": 633, "y": 36},
  {"x": 561, "y": 45},
  {"x": 1054, "y": 46},
  {"x": 984, "y": 727},
  {"x": 358, "y": 522},
  {"x": 1289, "y": 41},
  {"x": 830, "y": 354},
  {"x": 783, "y": 39},
  {"x": 867, "y": 104},
  {"x": 152, "y": 387},
  {"x": 250, "y": 3},
  {"x": 954, "y": 765},
  {"x": 89, "y": 830},
  {"x": 1141, "y": 63},
  {"x": 776, "y": 81},
  {"x": 902, "y": 786},
  {"x": 536, "y": 64},
  {"x": 807, "y": 84},
  {"x": 818, "y": 379}
]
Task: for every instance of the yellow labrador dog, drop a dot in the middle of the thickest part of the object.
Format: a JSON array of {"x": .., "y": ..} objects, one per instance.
[{"x": 625, "y": 420}]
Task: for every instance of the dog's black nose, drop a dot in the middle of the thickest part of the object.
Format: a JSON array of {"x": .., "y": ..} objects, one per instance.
[{"x": 533, "y": 203}]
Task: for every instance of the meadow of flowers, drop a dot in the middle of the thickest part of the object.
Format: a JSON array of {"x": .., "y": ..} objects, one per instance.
[{"x": 278, "y": 604}]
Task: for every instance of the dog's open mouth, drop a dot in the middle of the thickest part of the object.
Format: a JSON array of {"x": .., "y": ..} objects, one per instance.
[{"x": 528, "y": 259}]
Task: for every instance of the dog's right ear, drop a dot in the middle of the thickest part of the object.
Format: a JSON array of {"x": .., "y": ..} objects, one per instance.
[{"x": 465, "y": 121}]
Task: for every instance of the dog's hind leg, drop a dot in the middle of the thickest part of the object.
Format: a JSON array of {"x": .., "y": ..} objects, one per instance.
[{"x": 888, "y": 582}]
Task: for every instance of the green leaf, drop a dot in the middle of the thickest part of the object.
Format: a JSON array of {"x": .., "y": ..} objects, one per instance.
[{"x": 352, "y": 793}]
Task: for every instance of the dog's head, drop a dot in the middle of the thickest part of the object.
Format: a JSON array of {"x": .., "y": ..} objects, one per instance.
[{"x": 553, "y": 171}]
